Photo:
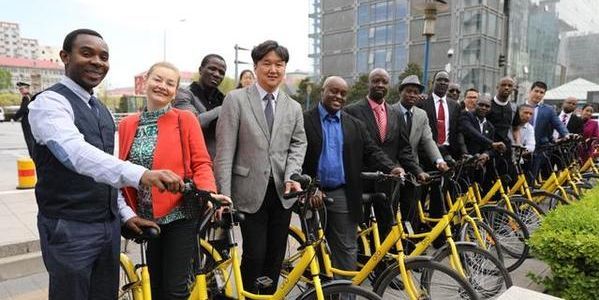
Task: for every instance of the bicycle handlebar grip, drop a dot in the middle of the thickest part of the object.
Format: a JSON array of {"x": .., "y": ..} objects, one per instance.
[
  {"x": 292, "y": 195},
  {"x": 304, "y": 180},
  {"x": 150, "y": 233},
  {"x": 371, "y": 175}
]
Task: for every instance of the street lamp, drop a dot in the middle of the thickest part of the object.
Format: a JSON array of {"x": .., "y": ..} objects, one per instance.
[
  {"x": 430, "y": 8},
  {"x": 164, "y": 41},
  {"x": 237, "y": 61}
]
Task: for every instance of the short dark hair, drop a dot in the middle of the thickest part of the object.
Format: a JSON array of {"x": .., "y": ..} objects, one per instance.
[
  {"x": 525, "y": 105},
  {"x": 67, "y": 45},
  {"x": 208, "y": 57},
  {"x": 539, "y": 84},
  {"x": 587, "y": 105},
  {"x": 261, "y": 50},
  {"x": 472, "y": 90}
]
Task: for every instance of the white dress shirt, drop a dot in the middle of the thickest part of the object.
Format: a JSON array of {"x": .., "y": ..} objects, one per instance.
[
  {"x": 527, "y": 137},
  {"x": 446, "y": 110},
  {"x": 52, "y": 124},
  {"x": 262, "y": 92},
  {"x": 565, "y": 122}
]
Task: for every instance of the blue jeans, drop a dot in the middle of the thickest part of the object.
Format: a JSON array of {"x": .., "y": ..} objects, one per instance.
[{"x": 82, "y": 258}]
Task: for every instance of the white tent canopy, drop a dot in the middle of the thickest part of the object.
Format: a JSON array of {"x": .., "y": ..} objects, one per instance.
[{"x": 577, "y": 88}]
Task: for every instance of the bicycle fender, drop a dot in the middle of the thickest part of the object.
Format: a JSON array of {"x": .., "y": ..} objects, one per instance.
[{"x": 309, "y": 292}]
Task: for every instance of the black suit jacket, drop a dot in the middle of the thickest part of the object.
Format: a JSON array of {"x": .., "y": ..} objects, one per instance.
[
  {"x": 456, "y": 143},
  {"x": 358, "y": 150},
  {"x": 476, "y": 142},
  {"x": 575, "y": 124},
  {"x": 396, "y": 144}
]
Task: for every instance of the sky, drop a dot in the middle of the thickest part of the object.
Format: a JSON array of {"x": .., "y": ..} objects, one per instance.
[{"x": 135, "y": 30}]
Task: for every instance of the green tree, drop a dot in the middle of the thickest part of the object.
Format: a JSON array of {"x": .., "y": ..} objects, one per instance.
[
  {"x": 5, "y": 79},
  {"x": 411, "y": 69},
  {"x": 302, "y": 92},
  {"x": 358, "y": 90},
  {"x": 7, "y": 99}
]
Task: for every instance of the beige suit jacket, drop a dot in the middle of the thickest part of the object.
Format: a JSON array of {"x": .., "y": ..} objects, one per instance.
[{"x": 247, "y": 152}]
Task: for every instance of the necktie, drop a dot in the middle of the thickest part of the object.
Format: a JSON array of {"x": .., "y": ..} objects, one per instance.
[
  {"x": 381, "y": 122},
  {"x": 565, "y": 119},
  {"x": 94, "y": 106},
  {"x": 268, "y": 111},
  {"x": 441, "y": 123},
  {"x": 409, "y": 121}
]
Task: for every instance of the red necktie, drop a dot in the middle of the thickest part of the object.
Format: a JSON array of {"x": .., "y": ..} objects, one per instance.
[
  {"x": 381, "y": 122},
  {"x": 441, "y": 124}
]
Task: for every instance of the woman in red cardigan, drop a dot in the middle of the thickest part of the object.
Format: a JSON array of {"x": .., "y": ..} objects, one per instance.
[{"x": 162, "y": 137}]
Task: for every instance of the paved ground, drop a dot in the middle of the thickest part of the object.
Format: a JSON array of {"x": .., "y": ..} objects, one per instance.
[{"x": 23, "y": 277}]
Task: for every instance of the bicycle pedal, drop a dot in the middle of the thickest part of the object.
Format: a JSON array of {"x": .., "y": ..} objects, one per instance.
[{"x": 263, "y": 282}]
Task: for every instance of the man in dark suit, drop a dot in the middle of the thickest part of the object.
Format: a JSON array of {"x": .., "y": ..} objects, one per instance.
[
  {"x": 545, "y": 121},
  {"x": 339, "y": 146},
  {"x": 567, "y": 116},
  {"x": 22, "y": 114},
  {"x": 478, "y": 135},
  {"x": 444, "y": 116},
  {"x": 421, "y": 140},
  {"x": 385, "y": 128}
]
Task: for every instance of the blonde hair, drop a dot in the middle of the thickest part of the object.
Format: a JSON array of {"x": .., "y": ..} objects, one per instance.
[{"x": 166, "y": 65}]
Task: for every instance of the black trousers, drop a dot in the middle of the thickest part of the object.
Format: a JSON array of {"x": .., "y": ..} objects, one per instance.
[
  {"x": 169, "y": 259},
  {"x": 264, "y": 240},
  {"x": 82, "y": 258}
]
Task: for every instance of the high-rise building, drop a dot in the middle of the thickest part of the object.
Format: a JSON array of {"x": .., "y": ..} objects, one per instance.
[
  {"x": 356, "y": 36},
  {"x": 13, "y": 45}
]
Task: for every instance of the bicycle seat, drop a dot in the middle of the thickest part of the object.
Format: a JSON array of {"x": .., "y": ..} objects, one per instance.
[
  {"x": 148, "y": 233},
  {"x": 368, "y": 198}
]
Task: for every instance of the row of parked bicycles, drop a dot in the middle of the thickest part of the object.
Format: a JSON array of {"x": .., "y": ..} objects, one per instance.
[{"x": 485, "y": 235}]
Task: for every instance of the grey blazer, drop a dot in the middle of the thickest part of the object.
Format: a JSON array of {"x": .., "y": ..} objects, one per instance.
[
  {"x": 247, "y": 152},
  {"x": 421, "y": 136}
]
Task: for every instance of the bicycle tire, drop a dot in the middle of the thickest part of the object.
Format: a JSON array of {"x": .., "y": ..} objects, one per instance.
[
  {"x": 124, "y": 280},
  {"x": 529, "y": 212},
  {"x": 491, "y": 243},
  {"x": 548, "y": 201},
  {"x": 341, "y": 291},
  {"x": 511, "y": 233},
  {"x": 435, "y": 281},
  {"x": 485, "y": 273}
]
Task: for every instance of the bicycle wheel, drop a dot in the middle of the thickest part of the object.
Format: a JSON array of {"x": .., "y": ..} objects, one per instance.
[
  {"x": 529, "y": 212},
  {"x": 547, "y": 201},
  {"x": 489, "y": 240},
  {"x": 125, "y": 285},
  {"x": 432, "y": 280},
  {"x": 511, "y": 233},
  {"x": 484, "y": 272},
  {"x": 341, "y": 291}
]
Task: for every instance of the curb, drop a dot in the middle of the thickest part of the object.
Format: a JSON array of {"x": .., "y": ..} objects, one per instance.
[
  {"x": 19, "y": 248},
  {"x": 21, "y": 265}
]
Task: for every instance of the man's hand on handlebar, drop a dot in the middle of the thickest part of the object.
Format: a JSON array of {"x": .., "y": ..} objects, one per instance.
[
  {"x": 398, "y": 171},
  {"x": 442, "y": 166},
  {"x": 498, "y": 146},
  {"x": 292, "y": 186},
  {"x": 136, "y": 224},
  {"x": 482, "y": 159},
  {"x": 423, "y": 177},
  {"x": 317, "y": 200}
]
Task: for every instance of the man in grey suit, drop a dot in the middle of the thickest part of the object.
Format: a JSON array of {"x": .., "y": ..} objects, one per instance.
[
  {"x": 261, "y": 142},
  {"x": 419, "y": 132}
]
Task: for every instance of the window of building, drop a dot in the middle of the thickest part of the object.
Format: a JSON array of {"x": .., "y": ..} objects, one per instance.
[
  {"x": 472, "y": 21},
  {"x": 362, "y": 37},
  {"x": 400, "y": 57},
  {"x": 380, "y": 35},
  {"x": 401, "y": 9},
  {"x": 380, "y": 58},
  {"x": 363, "y": 14},
  {"x": 362, "y": 61},
  {"x": 401, "y": 32},
  {"x": 380, "y": 12},
  {"x": 471, "y": 48}
]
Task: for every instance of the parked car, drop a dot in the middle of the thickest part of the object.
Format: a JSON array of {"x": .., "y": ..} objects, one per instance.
[
  {"x": 10, "y": 111},
  {"x": 1, "y": 114}
]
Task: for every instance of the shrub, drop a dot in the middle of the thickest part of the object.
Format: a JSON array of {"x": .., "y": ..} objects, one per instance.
[{"x": 568, "y": 241}]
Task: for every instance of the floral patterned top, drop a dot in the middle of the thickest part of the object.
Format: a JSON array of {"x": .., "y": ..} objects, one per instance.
[{"x": 142, "y": 153}]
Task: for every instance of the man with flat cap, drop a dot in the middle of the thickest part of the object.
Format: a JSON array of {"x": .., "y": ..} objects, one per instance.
[
  {"x": 421, "y": 140},
  {"x": 23, "y": 112}
]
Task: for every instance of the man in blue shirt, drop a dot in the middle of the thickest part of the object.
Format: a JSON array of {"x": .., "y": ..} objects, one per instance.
[{"x": 339, "y": 146}]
